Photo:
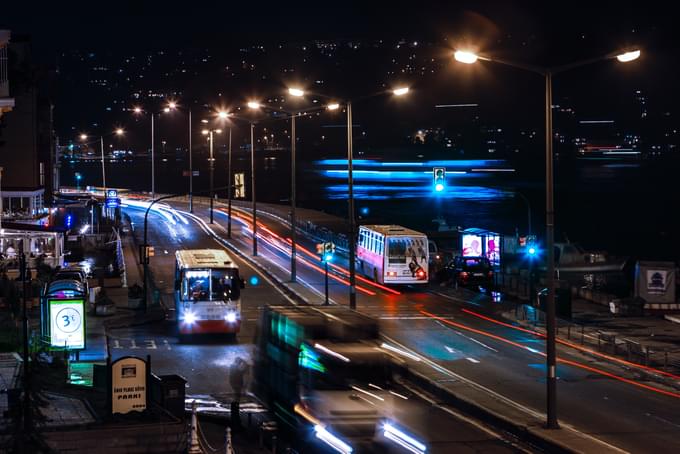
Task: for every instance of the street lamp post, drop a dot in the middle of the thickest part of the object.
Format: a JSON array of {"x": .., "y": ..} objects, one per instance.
[
  {"x": 101, "y": 143},
  {"x": 547, "y": 73},
  {"x": 350, "y": 190},
  {"x": 252, "y": 185},
  {"x": 293, "y": 219},
  {"x": 350, "y": 182},
  {"x": 191, "y": 170},
  {"x": 209, "y": 133},
  {"x": 229, "y": 190},
  {"x": 153, "y": 160}
]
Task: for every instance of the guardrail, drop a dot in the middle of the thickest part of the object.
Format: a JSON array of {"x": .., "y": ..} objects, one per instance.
[{"x": 666, "y": 359}]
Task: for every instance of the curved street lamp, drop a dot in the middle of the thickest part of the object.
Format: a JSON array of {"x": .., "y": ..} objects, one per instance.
[{"x": 468, "y": 57}]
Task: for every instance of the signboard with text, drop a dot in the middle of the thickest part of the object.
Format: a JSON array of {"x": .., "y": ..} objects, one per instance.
[
  {"x": 67, "y": 323},
  {"x": 128, "y": 385},
  {"x": 239, "y": 185}
]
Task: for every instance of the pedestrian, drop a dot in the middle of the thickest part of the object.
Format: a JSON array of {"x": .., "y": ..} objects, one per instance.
[{"x": 236, "y": 377}]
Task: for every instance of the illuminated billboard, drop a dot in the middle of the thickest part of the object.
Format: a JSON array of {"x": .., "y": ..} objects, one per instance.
[
  {"x": 493, "y": 249},
  {"x": 472, "y": 245},
  {"x": 67, "y": 323}
]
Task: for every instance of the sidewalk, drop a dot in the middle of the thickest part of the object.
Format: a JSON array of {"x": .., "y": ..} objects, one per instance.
[{"x": 650, "y": 341}]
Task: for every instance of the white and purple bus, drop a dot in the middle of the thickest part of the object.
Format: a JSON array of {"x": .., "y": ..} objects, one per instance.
[{"x": 391, "y": 254}]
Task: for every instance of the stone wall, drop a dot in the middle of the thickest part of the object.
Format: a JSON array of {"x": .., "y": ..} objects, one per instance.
[{"x": 169, "y": 437}]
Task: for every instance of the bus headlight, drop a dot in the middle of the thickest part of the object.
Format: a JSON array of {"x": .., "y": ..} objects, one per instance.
[
  {"x": 189, "y": 318},
  {"x": 230, "y": 317}
]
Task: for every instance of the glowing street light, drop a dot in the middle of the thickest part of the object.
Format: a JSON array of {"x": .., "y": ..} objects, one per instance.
[
  {"x": 205, "y": 132},
  {"x": 120, "y": 131},
  {"x": 400, "y": 91},
  {"x": 628, "y": 56},
  {"x": 137, "y": 110},
  {"x": 333, "y": 106},
  {"x": 83, "y": 137},
  {"x": 297, "y": 92},
  {"x": 254, "y": 105},
  {"x": 172, "y": 105},
  {"x": 548, "y": 73},
  {"x": 223, "y": 115},
  {"x": 465, "y": 57}
]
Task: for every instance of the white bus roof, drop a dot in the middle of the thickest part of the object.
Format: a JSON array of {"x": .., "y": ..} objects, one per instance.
[
  {"x": 204, "y": 258},
  {"x": 388, "y": 230}
]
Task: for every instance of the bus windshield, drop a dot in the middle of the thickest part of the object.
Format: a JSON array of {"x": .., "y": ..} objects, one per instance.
[{"x": 211, "y": 285}]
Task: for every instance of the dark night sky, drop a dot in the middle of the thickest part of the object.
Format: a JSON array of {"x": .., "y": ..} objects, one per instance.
[
  {"x": 558, "y": 25},
  {"x": 542, "y": 33}
]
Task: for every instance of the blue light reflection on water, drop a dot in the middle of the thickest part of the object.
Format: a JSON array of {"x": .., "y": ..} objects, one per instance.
[
  {"x": 477, "y": 163},
  {"x": 386, "y": 192}
]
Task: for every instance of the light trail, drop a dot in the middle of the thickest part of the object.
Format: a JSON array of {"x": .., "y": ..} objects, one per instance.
[
  {"x": 575, "y": 346},
  {"x": 559, "y": 360},
  {"x": 314, "y": 256}
]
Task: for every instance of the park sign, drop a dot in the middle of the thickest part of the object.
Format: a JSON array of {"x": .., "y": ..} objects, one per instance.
[
  {"x": 67, "y": 323},
  {"x": 129, "y": 380}
]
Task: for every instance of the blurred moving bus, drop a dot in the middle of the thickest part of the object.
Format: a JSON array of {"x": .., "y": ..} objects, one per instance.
[
  {"x": 207, "y": 292},
  {"x": 391, "y": 254},
  {"x": 327, "y": 376}
]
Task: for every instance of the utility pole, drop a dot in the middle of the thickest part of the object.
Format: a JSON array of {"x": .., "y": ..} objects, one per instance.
[{"x": 26, "y": 420}]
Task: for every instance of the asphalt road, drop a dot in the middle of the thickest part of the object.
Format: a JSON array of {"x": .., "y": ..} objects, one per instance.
[
  {"x": 611, "y": 403},
  {"x": 205, "y": 363}
]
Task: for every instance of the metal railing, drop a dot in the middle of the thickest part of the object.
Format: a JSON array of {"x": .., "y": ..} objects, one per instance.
[{"x": 602, "y": 341}]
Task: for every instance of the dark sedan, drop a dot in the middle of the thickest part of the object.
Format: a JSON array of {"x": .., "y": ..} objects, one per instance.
[{"x": 470, "y": 271}]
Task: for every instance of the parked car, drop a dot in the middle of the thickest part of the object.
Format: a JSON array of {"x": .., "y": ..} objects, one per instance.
[
  {"x": 470, "y": 271},
  {"x": 75, "y": 273}
]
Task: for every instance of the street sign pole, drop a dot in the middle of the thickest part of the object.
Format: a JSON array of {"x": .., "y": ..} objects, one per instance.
[
  {"x": 326, "y": 285},
  {"x": 26, "y": 420}
]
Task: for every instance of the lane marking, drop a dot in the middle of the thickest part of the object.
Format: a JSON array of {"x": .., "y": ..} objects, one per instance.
[
  {"x": 460, "y": 416},
  {"x": 502, "y": 398},
  {"x": 465, "y": 336},
  {"x": 560, "y": 360},
  {"x": 574, "y": 346}
]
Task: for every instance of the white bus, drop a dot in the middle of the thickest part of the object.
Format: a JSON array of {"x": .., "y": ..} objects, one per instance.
[
  {"x": 391, "y": 254},
  {"x": 207, "y": 292}
]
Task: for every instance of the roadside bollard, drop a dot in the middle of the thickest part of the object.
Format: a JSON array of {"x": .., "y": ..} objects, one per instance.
[
  {"x": 194, "y": 446},
  {"x": 235, "y": 414},
  {"x": 229, "y": 446}
]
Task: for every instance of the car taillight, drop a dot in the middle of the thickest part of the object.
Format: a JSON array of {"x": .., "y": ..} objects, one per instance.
[
  {"x": 464, "y": 274},
  {"x": 420, "y": 274}
]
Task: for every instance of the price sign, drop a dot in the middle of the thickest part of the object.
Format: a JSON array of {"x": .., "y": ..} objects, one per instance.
[{"x": 67, "y": 323}]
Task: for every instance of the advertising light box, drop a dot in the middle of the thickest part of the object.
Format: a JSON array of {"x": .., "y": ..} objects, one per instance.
[{"x": 67, "y": 323}]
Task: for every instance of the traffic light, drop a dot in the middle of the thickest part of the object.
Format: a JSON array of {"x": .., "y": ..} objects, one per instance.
[
  {"x": 329, "y": 250},
  {"x": 439, "y": 178}
]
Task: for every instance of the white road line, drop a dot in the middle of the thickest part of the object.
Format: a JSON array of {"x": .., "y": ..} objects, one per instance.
[
  {"x": 454, "y": 413},
  {"x": 500, "y": 397},
  {"x": 467, "y": 337}
]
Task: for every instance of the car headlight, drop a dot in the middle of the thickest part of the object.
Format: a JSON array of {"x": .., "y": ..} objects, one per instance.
[{"x": 189, "y": 318}]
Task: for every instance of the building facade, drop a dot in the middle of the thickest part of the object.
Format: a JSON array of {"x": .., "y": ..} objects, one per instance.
[{"x": 26, "y": 144}]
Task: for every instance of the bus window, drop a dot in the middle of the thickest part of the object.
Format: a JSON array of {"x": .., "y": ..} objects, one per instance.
[
  {"x": 396, "y": 251},
  {"x": 211, "y": 285},
  {"x": 225, "y": 285}
]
